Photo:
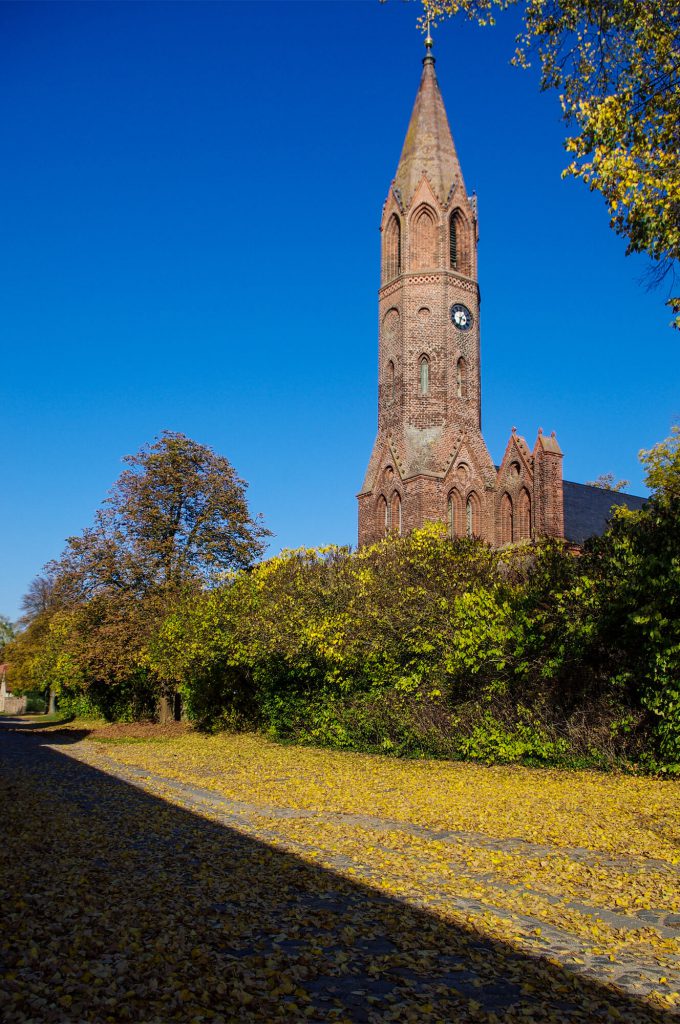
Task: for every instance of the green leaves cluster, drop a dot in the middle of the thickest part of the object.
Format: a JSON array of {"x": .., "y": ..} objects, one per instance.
[
  {"x": 420, "y": 645},
  {"x": 639, "y": 561},
  {"x": 415, "y": 645}
]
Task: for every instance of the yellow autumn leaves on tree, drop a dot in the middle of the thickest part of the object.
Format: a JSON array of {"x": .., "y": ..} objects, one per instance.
[{"x": 616, "y": 66}]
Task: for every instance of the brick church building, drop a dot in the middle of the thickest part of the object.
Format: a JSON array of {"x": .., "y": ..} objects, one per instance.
[{"x": 430, "y": 460}]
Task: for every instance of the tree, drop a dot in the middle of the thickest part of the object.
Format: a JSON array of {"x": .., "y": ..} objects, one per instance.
[
  {"x": 6, "y": 631},
  {"x": 637, "y": 561},
  {"x": 175, "y": 522},
  {"x": 608, "y": 482},
  {"x": 176, "y": 518},
  {"x": 38, "y": 599},
  {"x": 616, "y": 64}
]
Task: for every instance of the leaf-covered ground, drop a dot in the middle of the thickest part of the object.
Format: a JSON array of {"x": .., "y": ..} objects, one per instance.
[{"x": 174, "y": 877}]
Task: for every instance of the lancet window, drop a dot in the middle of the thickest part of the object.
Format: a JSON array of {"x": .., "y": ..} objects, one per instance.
[
  {"x": 383, "y": 514},
  {"x": 524, "y": 516},
  {"x": 453, "y": 242},
  {"x": 424, "y": 372},
  {"x": 390, "y": 381},
  {"x": 424, "y": 244},
  {"x": 472, "y": 516},
  {"x": 454, "y": 518},
  {"x": 392, "y": 249},
  {"x": 506, "y": 519},
  {"x": 461, "y": 381},
  {"x": 396, "y": 514},
  {"x": 459, "y": 243}
]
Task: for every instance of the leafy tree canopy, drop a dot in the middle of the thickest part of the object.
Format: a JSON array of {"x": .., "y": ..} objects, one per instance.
[
  {"x": 662, "y": 463},
  {"x": 176, "y": 517},
  {"x": 176, "y": 521},
  {"x": 608, "y": 482},
  {"x": 38, "y": 599},
  {"x": 616, "y": 64}
]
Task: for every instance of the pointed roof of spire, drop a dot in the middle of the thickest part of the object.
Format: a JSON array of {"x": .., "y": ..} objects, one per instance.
[{"x": 428, "y": 146}]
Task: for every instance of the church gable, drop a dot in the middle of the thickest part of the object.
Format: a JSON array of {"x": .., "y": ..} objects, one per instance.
[
  {"x": 424, "y": 195},
  {"x": 517, "y": 464},
  {"x": 468, "y": 489},
  {"x": 386, "y": 455},
  {"x": 514, "y": 495},
  {"x": 382, "y": 496}
]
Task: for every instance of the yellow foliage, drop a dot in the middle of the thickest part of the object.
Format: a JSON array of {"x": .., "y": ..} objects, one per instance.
[{"x": 571, "y": 872}]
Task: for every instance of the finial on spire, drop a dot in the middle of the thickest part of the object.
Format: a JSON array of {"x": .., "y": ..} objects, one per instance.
[{"x": 429, "y": 43}]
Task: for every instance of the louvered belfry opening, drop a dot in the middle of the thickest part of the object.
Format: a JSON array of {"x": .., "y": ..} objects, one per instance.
[{"x": 453, "y": 242}]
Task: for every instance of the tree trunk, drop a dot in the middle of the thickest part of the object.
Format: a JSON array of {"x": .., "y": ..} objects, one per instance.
[
  {"x": 164, "y": 712},
  {"x": 169, "y": 708},
  {"x": 52, "y": 705}
]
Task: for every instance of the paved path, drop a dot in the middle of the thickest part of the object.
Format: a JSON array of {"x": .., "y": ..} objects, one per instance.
[{"x": 367, "y": 967}]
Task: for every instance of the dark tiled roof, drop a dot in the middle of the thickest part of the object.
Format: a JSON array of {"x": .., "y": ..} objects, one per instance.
[{"x": 587, "y": 509}]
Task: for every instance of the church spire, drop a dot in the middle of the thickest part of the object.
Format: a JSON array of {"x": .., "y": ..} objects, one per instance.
[{"x": 428, "y": 146}]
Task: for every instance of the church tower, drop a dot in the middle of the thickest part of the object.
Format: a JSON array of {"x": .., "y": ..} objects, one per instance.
[{"x": 429, "y": 460}]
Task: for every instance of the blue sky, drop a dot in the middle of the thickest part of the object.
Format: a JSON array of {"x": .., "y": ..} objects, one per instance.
[{"x": 190, "y": 197}]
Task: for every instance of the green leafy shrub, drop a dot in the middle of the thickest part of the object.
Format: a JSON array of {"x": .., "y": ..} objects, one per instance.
[{"x": 421, "y": 646}]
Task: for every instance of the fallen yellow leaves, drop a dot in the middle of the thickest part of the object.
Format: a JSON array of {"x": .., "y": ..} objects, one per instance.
[{"x": 227, "y": 878}]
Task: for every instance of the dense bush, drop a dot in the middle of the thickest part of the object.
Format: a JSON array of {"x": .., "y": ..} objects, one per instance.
[
  {"x": 420, "y": 646},
  {"x": 417, "y": 645}
]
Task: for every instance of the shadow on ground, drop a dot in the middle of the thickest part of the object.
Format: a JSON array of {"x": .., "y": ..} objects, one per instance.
[
  {"x": 9, "y": 723},
  {"x": 121, "y": 906}
]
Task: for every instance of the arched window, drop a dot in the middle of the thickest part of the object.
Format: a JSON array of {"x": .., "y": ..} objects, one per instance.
[
  {"x": 454, "y": 515},
  {"x": 424, "y": 244},
  {"x": 524, "y": 516},
  {"x": 459, "y": 243},
  {"x": 390, "y": 381},
  {"x": 392, "y": 249},
  {"x": 472, "y": 524},
  {"x": 453, "y": 242},
  {"x": 424, "y": 375},
  {"x": 383, "y": 519},
  {"x": 396, "y": 514},
  {"x": 461, "y": 379},
  {"x": 506, "y": 519}
]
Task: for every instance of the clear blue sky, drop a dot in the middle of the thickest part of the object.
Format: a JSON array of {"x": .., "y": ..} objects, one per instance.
[{"x": 190, "y": 197}]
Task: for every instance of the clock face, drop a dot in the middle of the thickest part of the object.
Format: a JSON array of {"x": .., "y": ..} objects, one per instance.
[{"x": 461, "y": 316}]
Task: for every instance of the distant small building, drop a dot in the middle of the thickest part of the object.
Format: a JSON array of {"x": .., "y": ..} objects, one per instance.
[
  {"x": 9, "y": 704},
  {"x": 430, "y": 460}
]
